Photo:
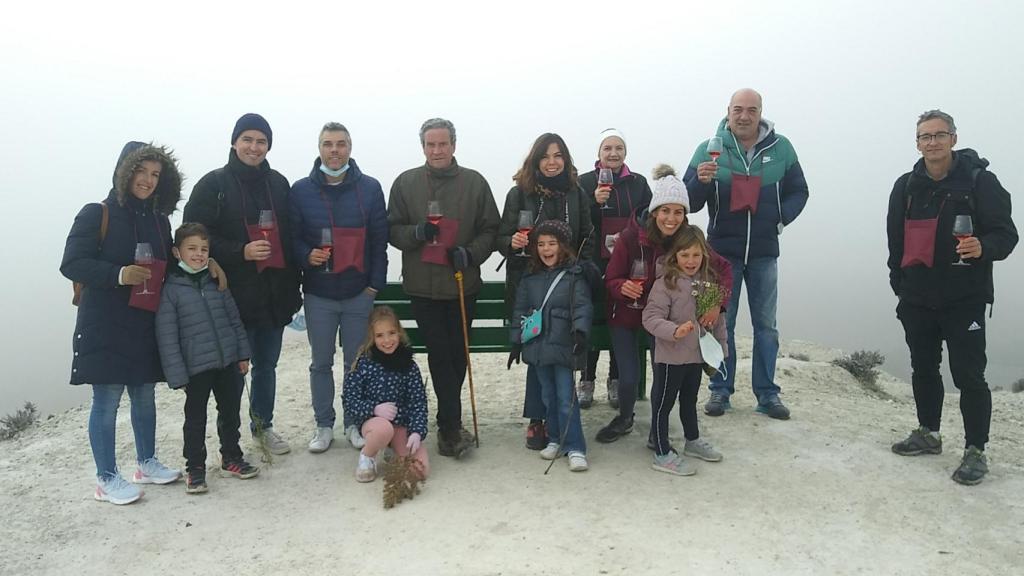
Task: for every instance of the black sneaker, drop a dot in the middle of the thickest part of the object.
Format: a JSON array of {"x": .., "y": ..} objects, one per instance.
[
  {"x": 195, "y": 481},
  {"x": 920, "y": 441},
  {"x": 717, "y": 404},
  {"x": 239, "y": 469},
  {"x": 536, "y": 436},
  {"x": 615, "y": 429},
  {"x": 773, "y": 408},
  {"x": 972, "y": 468}
]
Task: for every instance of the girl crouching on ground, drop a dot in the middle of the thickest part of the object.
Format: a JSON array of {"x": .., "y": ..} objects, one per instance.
[
  {"x": 683, "y": 294},
  {"x": 385, "y": 394},
  {"x": 553, "y": 313}
]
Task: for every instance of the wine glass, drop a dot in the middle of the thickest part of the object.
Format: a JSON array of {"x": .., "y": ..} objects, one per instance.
[
  {"x": 144, "y": 257},
  {"x": 434, "y": 216},
  {"x": 524, "y": 226},
  {"x": 326, "y": 242},
  {"x": 962, "y": 228},
  {"x": 604, "y": 178},
  {"x": 638, "y": 274},
  {"x": 266, "y": 222},
  {"x": 715, "y": 148}
]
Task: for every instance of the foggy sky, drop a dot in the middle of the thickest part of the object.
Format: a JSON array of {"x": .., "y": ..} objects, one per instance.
[{"x": 844, "y": 81}]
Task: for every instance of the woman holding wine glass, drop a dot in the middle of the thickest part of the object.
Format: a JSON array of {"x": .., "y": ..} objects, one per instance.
[
  {"x": 631, "y": 271},
  {"x": 118, "y": 251},
  {"x": 617, "y": 195},
  {"x": 546, "y": 189}
]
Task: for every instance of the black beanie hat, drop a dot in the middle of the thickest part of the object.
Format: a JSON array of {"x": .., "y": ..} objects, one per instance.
[
  {"x": 560, "y": 230},
  {"x": 252, "y": 121}
]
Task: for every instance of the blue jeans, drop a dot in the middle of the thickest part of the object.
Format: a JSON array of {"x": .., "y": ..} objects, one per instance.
[
  {"x": 762, "y": 278},
  {"x": 265, "y": 344},
  {"x": 106, "y": 398},
  {"x": 557, "y": 389},
  {"x": 327, "y": 320}
]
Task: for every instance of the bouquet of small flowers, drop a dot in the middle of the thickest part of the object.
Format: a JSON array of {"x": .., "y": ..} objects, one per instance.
[{"x": 708, "y": 294}]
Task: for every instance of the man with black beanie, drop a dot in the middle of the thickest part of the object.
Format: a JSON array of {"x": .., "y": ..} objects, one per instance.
[{"x": 244, "y": 205}]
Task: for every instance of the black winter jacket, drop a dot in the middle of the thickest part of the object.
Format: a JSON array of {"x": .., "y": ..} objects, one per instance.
[
  {"x": 968, "y": 189},
  {"x": 266, "y": 299}
]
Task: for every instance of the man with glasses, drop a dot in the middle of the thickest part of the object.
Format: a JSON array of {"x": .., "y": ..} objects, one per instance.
[
  {"x": 752, "y": 191},
  {"x": 949, "y": 220}
]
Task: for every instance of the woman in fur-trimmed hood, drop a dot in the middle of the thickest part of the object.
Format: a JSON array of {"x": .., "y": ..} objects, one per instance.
[{"x": 115, "y": 339}]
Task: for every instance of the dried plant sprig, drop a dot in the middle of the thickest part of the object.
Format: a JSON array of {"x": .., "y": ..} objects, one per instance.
[{"x": 402, "y": 479}]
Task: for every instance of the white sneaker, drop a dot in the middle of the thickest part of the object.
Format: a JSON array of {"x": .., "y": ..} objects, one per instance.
[
  {"x": 701, "y": 448},
  {"x": 153, "y": 472},
  {"x": 550, "y": 452},
  {"x": 367, "y": 469},
  {"x": 354, "y": 437},
  {"x": 116, "y": 490},
  {"x": 577, "y": 461},
  {"x": 322, "y": 439},
  {"x": 275, "y": 444}
]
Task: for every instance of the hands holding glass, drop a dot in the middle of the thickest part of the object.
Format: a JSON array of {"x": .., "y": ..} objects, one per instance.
[
  {"x": 634, "y": 288},
  {"x": 144, "y": 257},
  {"x": 326, "y": 243},
  {"x": 604, "y": 187},
  {"x": 521, "y": 239},
  {"x": 266, "y": 222},
  {"x": 963, "y": 228},
  {"x": 706, "y": 170},
  {"x": 434, "y": 216}
]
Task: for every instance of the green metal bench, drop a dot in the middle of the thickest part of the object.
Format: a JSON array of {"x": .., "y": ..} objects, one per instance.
[{"x": 489, "y": 332}]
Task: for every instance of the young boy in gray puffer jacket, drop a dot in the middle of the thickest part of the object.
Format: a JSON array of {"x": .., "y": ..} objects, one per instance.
[{"x": 203, "y": 348}]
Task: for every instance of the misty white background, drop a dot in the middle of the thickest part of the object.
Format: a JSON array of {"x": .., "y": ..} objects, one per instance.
[{"x": 844, "y": 81}]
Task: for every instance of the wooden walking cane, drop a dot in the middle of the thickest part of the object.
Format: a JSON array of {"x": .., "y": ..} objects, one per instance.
[{"x": 469, "y": 363}]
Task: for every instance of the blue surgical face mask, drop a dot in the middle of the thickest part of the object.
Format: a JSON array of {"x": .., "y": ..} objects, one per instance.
[
  {"x": 188, "y": 269},
  {"x": 333, "y": 173}
]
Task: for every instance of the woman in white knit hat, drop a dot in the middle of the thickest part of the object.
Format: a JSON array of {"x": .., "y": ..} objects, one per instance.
[
  {"x": 647, "y": 237},
  {"x": 612, "y": 208}
]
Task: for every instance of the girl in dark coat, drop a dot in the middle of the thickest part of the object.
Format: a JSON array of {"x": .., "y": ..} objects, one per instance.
[
  {"x": 547, "y": 188},
  {"x": 115, "y": 340},
  {"x": 555, "y": 287}
]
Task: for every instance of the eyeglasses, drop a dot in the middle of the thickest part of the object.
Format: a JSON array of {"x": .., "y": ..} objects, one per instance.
[{"x": 938, "y": 137}]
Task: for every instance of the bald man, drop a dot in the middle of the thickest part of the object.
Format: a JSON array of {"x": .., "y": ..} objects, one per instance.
[{"x": 754, "y": 189}]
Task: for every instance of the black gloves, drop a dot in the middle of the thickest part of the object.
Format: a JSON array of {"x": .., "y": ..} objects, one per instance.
[
  {"x": 513, "y": 356},
  {"x": 426, "y": 231},
  {"x": 460, "y": 258},
  {"x": 579, "y": 339}
]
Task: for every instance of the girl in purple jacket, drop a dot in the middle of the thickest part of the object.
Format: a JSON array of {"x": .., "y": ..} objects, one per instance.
[{"x": 688, "y": 288}]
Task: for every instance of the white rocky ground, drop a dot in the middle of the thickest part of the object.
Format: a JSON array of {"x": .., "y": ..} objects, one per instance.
[{"x": 819, "y": 494}]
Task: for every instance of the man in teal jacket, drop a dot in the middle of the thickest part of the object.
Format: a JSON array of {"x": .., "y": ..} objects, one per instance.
[{"x": 752, "y": 191}]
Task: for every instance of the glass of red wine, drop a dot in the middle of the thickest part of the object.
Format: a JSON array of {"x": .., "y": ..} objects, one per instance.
[
  {"x": 524, "y": 226},
  {"x": 604, "y": 178},
  {"x": 962, "y": 228},
  {"x": 326, "y": 243},
  {"x": 434, "y": 216},
  {"x": 715, "y": 148},
  {"x": 144, "y": 257},
  {"x": 638, "y": 275},
  {"x": 266, "y": 222}
]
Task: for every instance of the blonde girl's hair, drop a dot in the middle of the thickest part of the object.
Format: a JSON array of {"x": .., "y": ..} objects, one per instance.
[
  {"x": 688, "y": 237},
  {"x": 380, "y": 314}
]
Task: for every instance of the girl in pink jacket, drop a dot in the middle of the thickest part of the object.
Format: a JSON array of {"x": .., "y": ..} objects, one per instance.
[{"x": 687, "y": 289}]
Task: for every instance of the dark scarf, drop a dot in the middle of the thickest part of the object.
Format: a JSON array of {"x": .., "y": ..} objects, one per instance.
[
  {"x": 398, "y": 361},
  {"x": 553, "y": 185},
  {"x": 245, "y": 173}
]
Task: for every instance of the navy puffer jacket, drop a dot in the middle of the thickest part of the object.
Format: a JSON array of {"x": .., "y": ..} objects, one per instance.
[
  {"x": 568, "y": 309},
  {"x": 113, "y": 342}
]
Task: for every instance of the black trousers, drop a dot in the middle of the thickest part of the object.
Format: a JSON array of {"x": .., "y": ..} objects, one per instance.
[
  {"x": 440, "y": 324},
  {"x": 226, "y": 385},
  {"x": 672, "y": 381},
  {"x": 962, "y": 327},
  {"x": 592, "y": 357}
]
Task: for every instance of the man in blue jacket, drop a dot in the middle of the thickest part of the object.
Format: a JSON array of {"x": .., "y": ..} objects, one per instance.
[
  {"x": 340, "y": 238},
  {"x": 752, "y": 191}
]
